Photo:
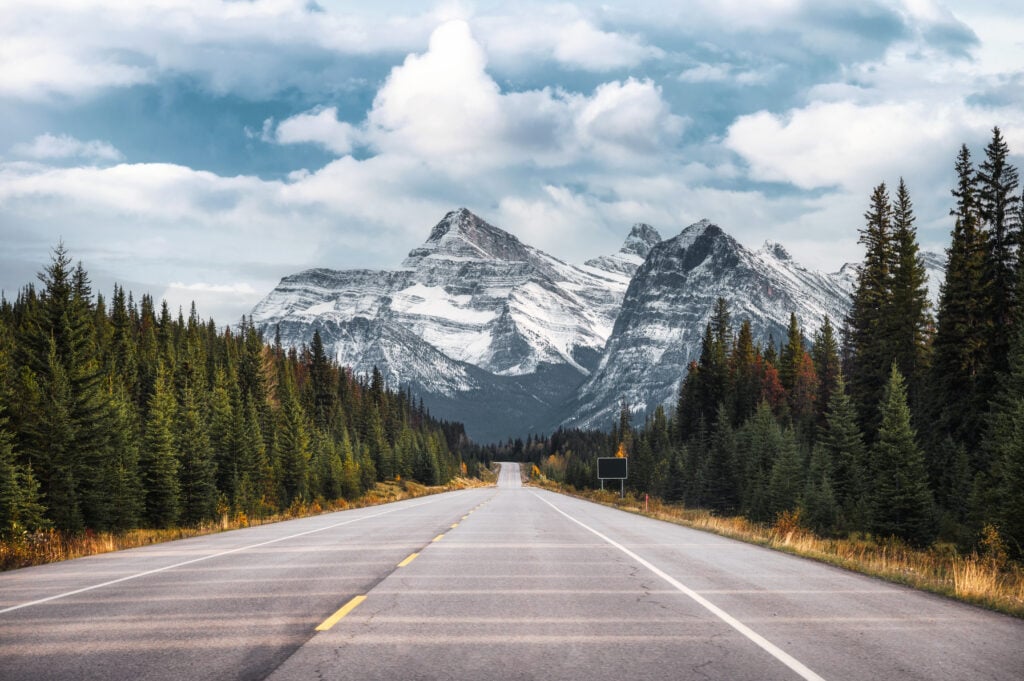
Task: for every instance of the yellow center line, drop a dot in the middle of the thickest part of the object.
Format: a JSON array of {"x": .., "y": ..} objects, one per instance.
[
  {"x": 454, "y": 525},
  {"x": 439, "y": 537},
  {"x": 408, "y": 560},
  {"x": 344, "y": 610},
  {"x": 465, "y": 516}
]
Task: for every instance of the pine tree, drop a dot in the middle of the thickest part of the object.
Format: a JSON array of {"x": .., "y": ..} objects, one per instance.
[
  {"x": 869, "y": 335},
  {"x": 786, "y": 481},
  {"x": 293, "y": 446},
  {"x": 825, "y": 354},
  {"x": 819, "y": 499},
  {"x": 722, "y": 487},
  {"x": 159, "y": 459},
  {"x": 792, "y": 354},
  {"x": 196, "y": 468},
  {"x": 1004, "y": 445},
  {"x": 997, "y": 206},
  {"x": 902, "y": 501},
  {"x": 842, "y": 443},
  {"x": 910, "y": 321},
  {"x": 960, "y": 348}
]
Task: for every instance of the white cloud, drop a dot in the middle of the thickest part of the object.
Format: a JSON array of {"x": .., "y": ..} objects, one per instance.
[
  {"x": 444, "y": 107},
  {"x": 706, "y": 73},
  {"x": 48, "y": 147},
  {"x": 319, "y": 126},
  {"x": 584, "y": 46}
]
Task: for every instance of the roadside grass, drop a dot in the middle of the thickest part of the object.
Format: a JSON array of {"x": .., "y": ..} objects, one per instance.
[
  {"x": 50, "y": 546},
  {"x": 988, "y": 579}
]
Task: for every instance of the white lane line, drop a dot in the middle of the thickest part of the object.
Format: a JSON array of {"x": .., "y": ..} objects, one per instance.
[
  {"x": 763, "y": 643},
  {"x": 213, "y": 555}
]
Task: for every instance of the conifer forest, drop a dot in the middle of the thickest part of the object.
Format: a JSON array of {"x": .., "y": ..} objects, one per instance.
[
  {"x": 116, "y": 415},
  {"x": 900, "y": 420}
]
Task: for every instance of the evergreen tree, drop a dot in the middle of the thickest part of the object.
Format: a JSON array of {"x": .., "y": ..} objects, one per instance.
[
  {"x": 159, "y": 458},
  {"x": 196, "y": 469},
  {"x": 841, "y": 442},
  {"x": 902, "y": 501},
  {"x": 792, "y": 354},
  {"x": 1004, "y": 444},
  {"x": 786, "y": 481},
  {"x": 819, "y": 499},
  {"x": 293, "y": 447},
  {"x": 997, "y": 206},
  {"x": 910, "y": 320},
  {"x": 722, "y": 486},
  {"x": 825, "y": 354},
  {"x": 956, "y": 401},
  {"x": 869, "y": 333}
]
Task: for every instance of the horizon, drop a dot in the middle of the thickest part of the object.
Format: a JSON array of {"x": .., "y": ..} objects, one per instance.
[{"x": 204, "y": 153}]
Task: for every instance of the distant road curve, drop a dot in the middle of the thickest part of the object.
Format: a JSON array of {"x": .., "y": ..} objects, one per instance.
[{"x": 505, "y": 583}]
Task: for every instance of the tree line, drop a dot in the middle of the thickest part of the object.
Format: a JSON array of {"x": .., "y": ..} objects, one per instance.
[
  {"x": 116, "y": 416},
  {"x": 905, "y": 421}
]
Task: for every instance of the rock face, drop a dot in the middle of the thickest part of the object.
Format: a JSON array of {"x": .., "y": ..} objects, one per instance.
[
  {"x": 473, "y": 316},
  {"x": 669, "y": 302},
  {"x": 510, "y": 340}
]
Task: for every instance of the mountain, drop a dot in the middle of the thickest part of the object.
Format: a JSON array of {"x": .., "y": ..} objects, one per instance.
[
  {"x": 472, "y": 316},
  {"x": 511, "y": 340},
  {"x": 669, "y": 303},
  {"x": 641, "y": 239}
]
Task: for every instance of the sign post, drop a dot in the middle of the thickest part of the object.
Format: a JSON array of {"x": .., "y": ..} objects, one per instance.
[{"x": 613, "y": 468}]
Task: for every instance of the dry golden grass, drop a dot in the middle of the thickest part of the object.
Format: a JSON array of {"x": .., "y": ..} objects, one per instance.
[
  {"x": 51, "y": 546},
  {"x": 989, "y": 580}
]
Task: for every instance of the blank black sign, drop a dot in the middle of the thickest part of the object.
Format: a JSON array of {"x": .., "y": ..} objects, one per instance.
[{"x": 611, "y": 468}]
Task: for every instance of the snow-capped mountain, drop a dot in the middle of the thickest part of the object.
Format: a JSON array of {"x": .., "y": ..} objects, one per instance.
[
  {"x": 511, "y": 340},
  {"x": 669, "y": 303},
  {"x": 469, "y": 308}
]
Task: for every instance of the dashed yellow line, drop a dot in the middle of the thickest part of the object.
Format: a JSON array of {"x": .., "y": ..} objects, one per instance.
[
  {"x": 408, "y": 560},
  {"x": 454, "y": 525},
  {"x": 344, "y": 610},
  {"x": 439, "y": 537},
  {"x": 465, "y": 516}
]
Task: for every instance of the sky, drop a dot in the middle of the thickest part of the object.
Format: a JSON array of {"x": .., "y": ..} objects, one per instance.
[{"x": 202, "y": 149}]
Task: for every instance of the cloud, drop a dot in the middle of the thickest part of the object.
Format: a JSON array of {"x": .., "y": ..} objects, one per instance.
[
  {"x": 47, "y": 147},
  {"x": 318, "y": 126},
  {"x": 584, "y": 46},
  {"x": 444, "y": 107}
]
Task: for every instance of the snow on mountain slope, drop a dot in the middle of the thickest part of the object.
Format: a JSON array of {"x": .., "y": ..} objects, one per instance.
[
  {"x": 472, "y": 295},
  {"x": 669, "y": 302},
  {"x": 512, "y": 340}
]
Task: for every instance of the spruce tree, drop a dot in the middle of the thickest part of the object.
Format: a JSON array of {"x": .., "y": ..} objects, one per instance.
[
  {"x": 842, "y": 443},
  {"x": 197, "y": 472},
  {"x": 158, "y": 461},
  {"x": 955, "y": 400},
  {"x": 819, "y": 499},
  {"x": 910, "y": 319},
  {"x": 786, "y": 481},
  {"x": 294, "y": 448},
  {"x": 792, "y": 354},
  {"x": 1004, "y": 445},
  {"x": 902, "y": 502},
  {"x": 721, "y": 486},
  {"x": 825, "y": 354},
  {"x": 869, "y": 336}
]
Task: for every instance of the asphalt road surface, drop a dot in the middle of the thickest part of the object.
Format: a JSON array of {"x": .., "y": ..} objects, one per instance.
[{"x": 505, "y": 583}]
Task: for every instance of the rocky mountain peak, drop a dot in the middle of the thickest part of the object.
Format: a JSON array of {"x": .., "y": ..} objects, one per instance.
[
  {"x": 642, "y": 238},
  {"x": 776, "y": 250},
  {"x": 463, "y": 235}
]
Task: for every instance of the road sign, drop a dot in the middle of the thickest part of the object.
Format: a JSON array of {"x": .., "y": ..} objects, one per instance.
[{"x": 612, "y": 468}]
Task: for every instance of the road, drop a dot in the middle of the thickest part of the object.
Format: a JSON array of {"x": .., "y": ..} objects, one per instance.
[{"x": 494, "y": 583}]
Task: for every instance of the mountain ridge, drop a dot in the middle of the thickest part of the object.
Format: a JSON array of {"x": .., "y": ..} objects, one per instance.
[{"x": 484, "y": 325}]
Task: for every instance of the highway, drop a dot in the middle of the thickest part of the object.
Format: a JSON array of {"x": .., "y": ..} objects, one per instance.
[{"x": 493, "y": 583}]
